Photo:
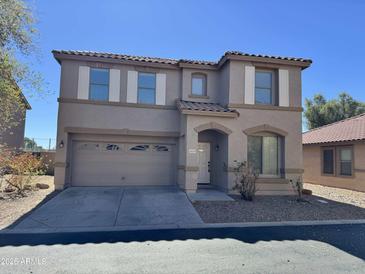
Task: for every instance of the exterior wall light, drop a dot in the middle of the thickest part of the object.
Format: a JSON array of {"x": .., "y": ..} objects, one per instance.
[{"x": 61, "y": 145}]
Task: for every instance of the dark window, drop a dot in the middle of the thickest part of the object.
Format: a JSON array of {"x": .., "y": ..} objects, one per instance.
[
  {"x": 328, "y": 161},
  {"x": 140, "y": 148},
  {"x": 255, "y": 152},
  {"x": 263, "y": 88},
  {"x": 160, "y": 148},
  {"x": 99, "y": 84},
  {"x": 146, "y": 88},
  {"x": 112, "y": 147},
  {"x": 264, "y": 154},
  {"x": 198, "y": 84}
]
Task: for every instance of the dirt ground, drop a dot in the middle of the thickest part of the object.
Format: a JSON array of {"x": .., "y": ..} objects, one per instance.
[{"x": 11, "y": 209}]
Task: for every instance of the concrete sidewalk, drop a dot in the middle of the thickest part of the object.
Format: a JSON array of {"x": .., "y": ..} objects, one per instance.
[{"x": 107, "y": 207}]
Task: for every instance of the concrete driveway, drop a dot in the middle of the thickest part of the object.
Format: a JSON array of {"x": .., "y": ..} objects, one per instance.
[{"x": 107, "y": 207}]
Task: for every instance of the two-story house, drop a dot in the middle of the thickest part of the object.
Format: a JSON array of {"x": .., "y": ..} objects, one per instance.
[{"x": 132, "y": 121}]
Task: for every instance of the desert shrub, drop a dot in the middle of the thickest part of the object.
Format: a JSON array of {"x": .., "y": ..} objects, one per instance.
[
  {"x": 22, "y": 166},
  {"x": 297, "y": 185},
  {"x": 5, "y": 157},
  {"x": 245, "y": 180}
]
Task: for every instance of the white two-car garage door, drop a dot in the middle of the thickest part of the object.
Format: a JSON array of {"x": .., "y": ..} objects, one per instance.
[{"x": 118, "y": 164}]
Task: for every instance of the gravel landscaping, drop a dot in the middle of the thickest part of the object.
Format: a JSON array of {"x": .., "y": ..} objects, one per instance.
[
  {"x": 13, "y": 207},
  {"x": 356, "y": 198},
  {"x": 325, "y": 204}
]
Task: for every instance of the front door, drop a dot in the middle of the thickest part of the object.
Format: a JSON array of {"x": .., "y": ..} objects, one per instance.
[{"x": 203, "y": 163}]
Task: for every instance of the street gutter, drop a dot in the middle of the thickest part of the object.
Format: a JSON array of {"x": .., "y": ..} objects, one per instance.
[{"x": 186, "y": 226}]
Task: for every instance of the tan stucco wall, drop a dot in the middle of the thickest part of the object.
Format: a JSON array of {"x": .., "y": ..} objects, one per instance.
[
  {"x": 312, "y": 168},
  {"x": 70, "y": 74},
  {"x": 287, "y": 121}
]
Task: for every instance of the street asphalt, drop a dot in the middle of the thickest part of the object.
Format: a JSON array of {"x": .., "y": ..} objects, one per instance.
[{"x": 280, "y": 249}]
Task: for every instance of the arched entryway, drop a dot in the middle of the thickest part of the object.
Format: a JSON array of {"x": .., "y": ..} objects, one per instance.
[{"x": 212, "y": 155}]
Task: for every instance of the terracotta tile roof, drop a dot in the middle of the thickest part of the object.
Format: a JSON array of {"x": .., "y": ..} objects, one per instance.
[
  {"x": 117, "y": 56},
  {"x": 350, "y": 129},
  {"x": 227, "y": 53},
  {"x": 198, "y": 106},
  {"x": 168, "y": 60}
]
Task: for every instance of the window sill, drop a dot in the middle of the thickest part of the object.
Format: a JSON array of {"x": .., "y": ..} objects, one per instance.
[
  {"x": 338, "y": 176},
  {"x": 198, "y": 96}
]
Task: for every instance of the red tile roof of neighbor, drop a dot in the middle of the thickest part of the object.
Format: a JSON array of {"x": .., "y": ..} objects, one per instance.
[{"x": 351, "y": 129}]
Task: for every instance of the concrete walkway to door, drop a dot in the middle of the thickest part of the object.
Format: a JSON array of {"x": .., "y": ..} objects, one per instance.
[{"x": 108, "y": 207}]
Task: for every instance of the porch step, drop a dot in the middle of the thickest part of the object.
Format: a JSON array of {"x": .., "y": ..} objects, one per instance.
[
  {"x": 272, "y": 181},
  {"x": 205, "y": 186},
  {"x": 275, "y": 192},
  {"x": 273, "y": 186}
]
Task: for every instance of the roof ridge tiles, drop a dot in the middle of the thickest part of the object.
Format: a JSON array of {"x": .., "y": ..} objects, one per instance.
[{"x": 173, "y": 60}]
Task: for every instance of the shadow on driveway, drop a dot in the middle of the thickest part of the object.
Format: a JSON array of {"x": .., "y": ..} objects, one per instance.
[{"x": 349, "y": 238}]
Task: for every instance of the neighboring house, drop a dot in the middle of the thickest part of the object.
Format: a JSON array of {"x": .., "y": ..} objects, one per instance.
[
  {"x": 334, "y": 155},
  {"x": 14, "y": 136},
  {"x": 131, "y": 120}
]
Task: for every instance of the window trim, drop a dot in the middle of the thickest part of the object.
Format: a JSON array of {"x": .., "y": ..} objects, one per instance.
[
  {"x": 337, "y": 161},
  {"x": 280, "y": 153},
  {"x": 204, "y": 77},
  {"x": 138, "y": 87},
  {"x": 334, "y": 161},
  {"x": 95, "y": 84},
  {"x": 274, "y": 90}
]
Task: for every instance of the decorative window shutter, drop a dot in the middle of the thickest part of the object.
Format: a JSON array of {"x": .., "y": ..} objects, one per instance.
[
  {"x": 132, "y": 86},
  {"x": 283, "y": 87},
  {"x": 83, "y": 84},
  {"x": 114, "y": 85},
  {"x": 249, "y": 85},
  {"x": 160, "y": 89}
]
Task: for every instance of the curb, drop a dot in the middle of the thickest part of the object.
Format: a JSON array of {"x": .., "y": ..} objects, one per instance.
[{"x": 175, "y": 226}]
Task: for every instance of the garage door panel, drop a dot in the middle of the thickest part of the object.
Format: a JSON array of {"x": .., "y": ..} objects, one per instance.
[{"x": 94, "y": 165}]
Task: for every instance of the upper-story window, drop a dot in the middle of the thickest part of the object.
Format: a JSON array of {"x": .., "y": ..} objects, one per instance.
[
  {"x": 199, "y": 84},
  {"x": 146, "y": 88},
  {"x": 264, "y": 92},
  {"x": 99, "y": 84}
]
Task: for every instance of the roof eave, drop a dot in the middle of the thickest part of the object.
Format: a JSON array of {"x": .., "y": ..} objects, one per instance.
[
  {"x": 266, "y": 60},
  {"x": 25, "y": 101},
  {"x": 64, "y": 56},
  {"x": 210, "y": 113}
]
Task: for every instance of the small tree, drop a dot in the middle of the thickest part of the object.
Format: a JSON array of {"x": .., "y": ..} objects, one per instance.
[
  {"x": 245, "y": 180},
  {"x": 22, "y": 169}
]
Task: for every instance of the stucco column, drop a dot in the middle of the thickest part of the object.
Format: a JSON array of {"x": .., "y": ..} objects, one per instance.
[
  {"x": 191, "y": 160},
  {"x": 61, "y": 165}
]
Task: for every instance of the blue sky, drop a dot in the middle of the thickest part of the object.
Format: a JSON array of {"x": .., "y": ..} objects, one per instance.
[{"x": 331, "y": 33}]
